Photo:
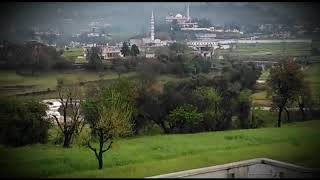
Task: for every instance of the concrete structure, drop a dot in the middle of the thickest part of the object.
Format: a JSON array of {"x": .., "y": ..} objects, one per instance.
[
  {"x": 255, "y": 168},
  {"x": 111, "y": 52},
  {"x": 226, "y": 44},
  {"x": 184, "y": 21},
  {"x": 150, "y": 55},
  {"x": 206, "y": 36},
  {"x": 188, "y": 12},
  {"x": 152, "y": 27},
  {"x": 253, "y": 41},
  {"x": 211, "y": 29},
  {"x": 147, "y": 44}
]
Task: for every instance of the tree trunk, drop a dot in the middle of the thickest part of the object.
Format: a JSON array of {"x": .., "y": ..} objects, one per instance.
[
  {"x": 100, "y": 159},
  {"x": 288, "y": 114},
  {"x": 32, "y": 71},
  {"x": 279, "y": 117},
  {"x": 302, "y": 112},
  {"x": 252, "y": 124},
  {"x": 163, "y": 126},
  {"x": 67, "y": 140}
]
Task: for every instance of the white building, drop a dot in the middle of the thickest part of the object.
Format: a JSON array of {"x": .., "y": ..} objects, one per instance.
[
  {"x": 111, "y": 52},
  {"x": 150, "y": 55},
  {"x": 184, "y": 21},
  {"x": 206, "y": 36},
  {"x": 93, "y": 34}
]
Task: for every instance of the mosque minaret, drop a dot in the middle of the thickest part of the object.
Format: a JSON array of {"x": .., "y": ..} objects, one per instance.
[{"x": 152, "y": 27}]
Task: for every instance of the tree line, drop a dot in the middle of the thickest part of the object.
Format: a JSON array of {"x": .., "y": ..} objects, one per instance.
[
  {"x": 31, "y": 57},
  {"x": 124, "y": 107}
]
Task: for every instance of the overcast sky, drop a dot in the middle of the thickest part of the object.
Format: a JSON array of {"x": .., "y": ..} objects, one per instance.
[{"x": 133, "y": 17}]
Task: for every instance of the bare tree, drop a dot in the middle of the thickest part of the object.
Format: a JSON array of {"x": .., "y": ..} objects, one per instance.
[{"x": 71, "y": 98}]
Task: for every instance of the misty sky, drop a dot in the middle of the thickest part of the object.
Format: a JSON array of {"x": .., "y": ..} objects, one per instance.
[{"x": 133, "y": 17}]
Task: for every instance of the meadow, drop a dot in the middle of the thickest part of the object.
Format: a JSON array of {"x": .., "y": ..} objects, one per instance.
[
  {"x": 313, "y": 77},
  {"x": 12, "y": 83},
  {"x": 272, "y": 50},
  {"x": 74, "y": 54},
  {"x": 153, "y": 155}
]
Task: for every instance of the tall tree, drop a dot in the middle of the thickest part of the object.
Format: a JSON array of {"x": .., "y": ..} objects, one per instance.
[
  {"x": 94, "y": 58},
  {"x": 285, "y": 81},
  {"x": 125, "y": 49},
  {"x": 208, "y": 99},
  {"x": 244, "y": 107},
  {"x": 109, "y": 116},
  {"x": 71, "y": 99},
  {"x": 304, "y": 99},
  {"x": 134, "y": 50}
]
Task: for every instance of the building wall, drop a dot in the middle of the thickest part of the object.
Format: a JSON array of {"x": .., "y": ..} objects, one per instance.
[{"x": 256, "y": 168}]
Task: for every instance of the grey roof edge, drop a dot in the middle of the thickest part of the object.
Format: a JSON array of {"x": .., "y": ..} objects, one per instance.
[{"x": 228, "y": 166}]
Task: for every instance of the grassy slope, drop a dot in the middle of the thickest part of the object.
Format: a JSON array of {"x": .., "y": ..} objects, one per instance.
[
  {"x": 277, "y": 49},
  {"x": 73, "y": 53},
  {"x": 45, "y": 81},
  {"x": 313, "y": 76},
  {"x": 152, "y": 155}
]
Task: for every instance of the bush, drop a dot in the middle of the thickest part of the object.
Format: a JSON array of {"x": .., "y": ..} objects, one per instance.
[
  {"x": 263, "y": 118},
  {"x": 185, "y": 117},
  {"x": 55, "y": 136},
  {"x": 83, "y": 137},
  {"x": 22, "y": 122}
]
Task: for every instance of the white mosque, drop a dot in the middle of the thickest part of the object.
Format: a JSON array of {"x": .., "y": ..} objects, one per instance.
[
  {"x": 151, "y": 41},
  {"x": 146, "y": 44},
  {"x": 183, "y": 20}
]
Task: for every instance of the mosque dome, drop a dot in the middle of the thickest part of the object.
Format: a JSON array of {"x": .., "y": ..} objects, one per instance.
[{"x": 178, "y": 16}]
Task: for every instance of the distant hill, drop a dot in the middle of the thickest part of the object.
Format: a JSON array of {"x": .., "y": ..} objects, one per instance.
[{"x": 132, "y": 17}]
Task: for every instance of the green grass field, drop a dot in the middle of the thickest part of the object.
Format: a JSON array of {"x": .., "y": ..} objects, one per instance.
[
  {"x": 296, "y": 143},
  {"x": 270, "y": 50},
  {"x": 276, "y": 49},
  {"x": 12, "y": 83},
  {"x": 72, "y": 54},
  {"x": 264, "y": 75},
  {"x": 313, "y": 77},
  {"x": 260, "y": 98}
]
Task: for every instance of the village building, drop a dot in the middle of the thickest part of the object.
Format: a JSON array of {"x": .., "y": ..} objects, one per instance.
[
  {"x": 111, "y": 52},
  {"x": 147, "y": 44},
  {"x": 183, "y": 21}
]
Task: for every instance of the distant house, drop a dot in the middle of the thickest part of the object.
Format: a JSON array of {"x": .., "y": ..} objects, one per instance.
[
  {"x": 150, "y": 55},
  {"x": 111, "y": 52},
  {"x": 93, "y": 34}
]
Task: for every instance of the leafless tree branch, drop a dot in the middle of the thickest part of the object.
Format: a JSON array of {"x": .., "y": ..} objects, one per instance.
[{"x": 57, "y": 120}]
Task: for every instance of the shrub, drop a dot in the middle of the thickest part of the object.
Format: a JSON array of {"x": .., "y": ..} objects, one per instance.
[
  {"x": 184, "y": 117},
  {"x": 55, "y": 136},
  {"x": 22, "y": 122},
  {"x": 83, "y": 137}
]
